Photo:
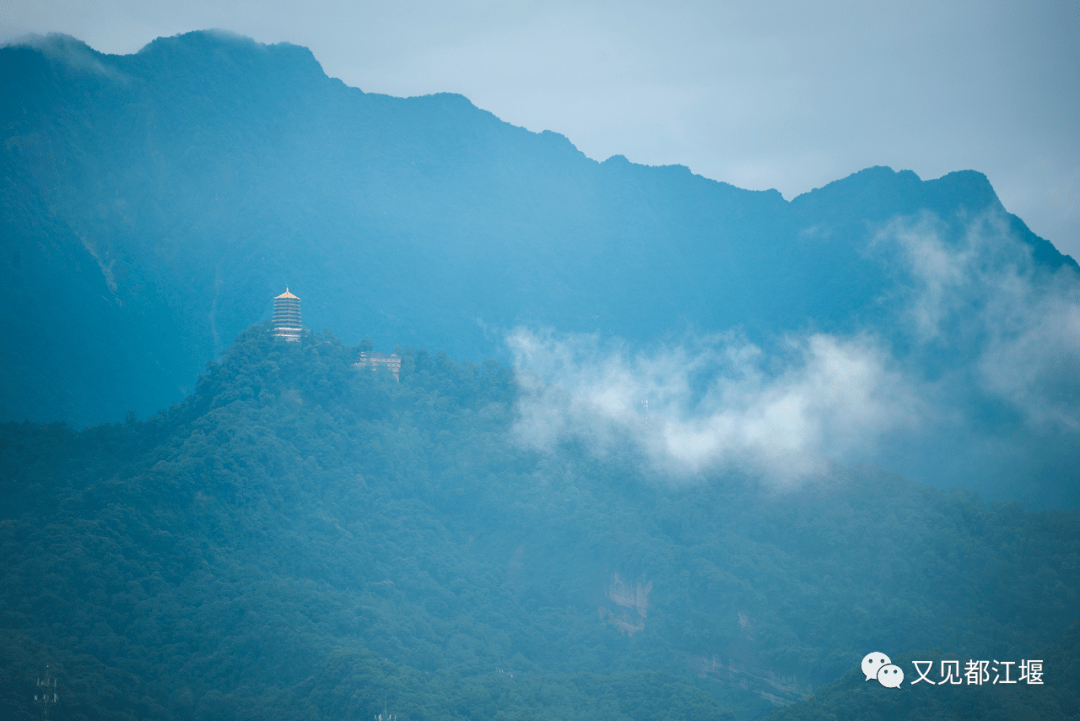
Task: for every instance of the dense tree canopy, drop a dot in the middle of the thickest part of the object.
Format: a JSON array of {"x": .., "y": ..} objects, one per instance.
[{"x": 300, "y": 538}]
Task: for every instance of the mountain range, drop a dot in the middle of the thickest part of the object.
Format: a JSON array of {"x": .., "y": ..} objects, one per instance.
[
  {"x": 659, "y": 446},
  {"x": 154, "y": 203}
]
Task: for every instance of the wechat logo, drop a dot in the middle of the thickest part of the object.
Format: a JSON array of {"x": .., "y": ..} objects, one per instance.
[{"x": 877, "y": 665}]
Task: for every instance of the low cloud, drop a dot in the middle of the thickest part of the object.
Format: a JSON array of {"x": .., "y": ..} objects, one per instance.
[
  {"x": 982, "y": 296},
  {"x": 985, "y": 390},
  {"x": 68, "y": 51},
  {"x": 1034, "y": 360},
  {"x": 712, "y": 401}
]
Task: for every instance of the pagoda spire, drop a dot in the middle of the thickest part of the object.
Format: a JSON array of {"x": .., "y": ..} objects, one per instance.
[{"x": 287, "y": 316}]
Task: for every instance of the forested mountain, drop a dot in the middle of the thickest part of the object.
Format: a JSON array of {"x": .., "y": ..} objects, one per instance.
[
  {"x": 153, "y": 203},
  {"x": 689, "y": 485},
  {"x": 300, "y": 538}
]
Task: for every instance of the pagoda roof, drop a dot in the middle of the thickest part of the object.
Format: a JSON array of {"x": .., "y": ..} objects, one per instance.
[{"x": 286, "y": 294}]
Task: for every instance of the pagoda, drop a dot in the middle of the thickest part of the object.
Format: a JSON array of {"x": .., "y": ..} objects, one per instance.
[{"x": 287, "y": 317}]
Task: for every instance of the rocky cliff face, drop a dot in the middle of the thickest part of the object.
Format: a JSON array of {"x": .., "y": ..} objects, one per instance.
[{"x": 631, "y": 601}]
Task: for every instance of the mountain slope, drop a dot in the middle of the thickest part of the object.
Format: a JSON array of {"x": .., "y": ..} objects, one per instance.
[
  {"x": 168, "y": 194},
  {"x": 299, "y": 539}
]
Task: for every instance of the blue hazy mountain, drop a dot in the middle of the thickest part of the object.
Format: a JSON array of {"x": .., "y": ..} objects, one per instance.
[
  {"x": 292, "y": 538},
  {"x": 153, "y": 204}
]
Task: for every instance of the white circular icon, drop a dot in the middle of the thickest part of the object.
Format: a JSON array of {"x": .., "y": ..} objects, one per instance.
[
  {"x": 872, "y": 663},
  {"x": 890, "y": 676}
]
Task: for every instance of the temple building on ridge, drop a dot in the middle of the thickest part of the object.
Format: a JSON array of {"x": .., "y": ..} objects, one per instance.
[
  {"x": 287, "y": 327},
  {"x": 287, "y": 317},
  {"x": 374, "y": 360}
]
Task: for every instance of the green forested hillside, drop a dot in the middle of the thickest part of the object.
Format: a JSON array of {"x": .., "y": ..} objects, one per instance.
[{"x": 302, "y": 539}]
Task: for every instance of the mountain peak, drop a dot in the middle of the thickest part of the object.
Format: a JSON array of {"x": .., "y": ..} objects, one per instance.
[
  {"x": 65, "y": 50},
  {"x": 219, "y": 51}
]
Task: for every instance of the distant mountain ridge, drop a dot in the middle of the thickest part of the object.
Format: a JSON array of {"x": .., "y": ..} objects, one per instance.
[{"x": 155, "y": 202}]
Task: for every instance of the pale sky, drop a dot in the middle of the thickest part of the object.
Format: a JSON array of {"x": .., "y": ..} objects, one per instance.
[{"x": 782, "y": 94}]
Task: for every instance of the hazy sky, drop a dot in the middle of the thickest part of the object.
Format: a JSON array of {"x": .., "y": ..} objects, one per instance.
[{"x": 789, "y": 95}]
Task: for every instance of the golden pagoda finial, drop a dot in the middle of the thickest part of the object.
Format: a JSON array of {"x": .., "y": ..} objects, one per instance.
[{"x": 286, "y": 294}]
